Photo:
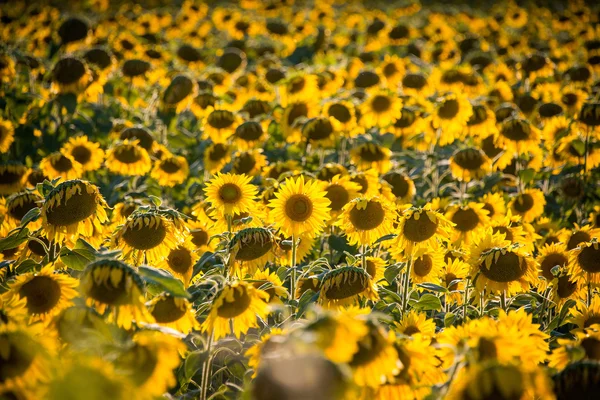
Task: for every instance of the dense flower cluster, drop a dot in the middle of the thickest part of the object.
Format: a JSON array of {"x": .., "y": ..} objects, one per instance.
[{"x": 299, "y": 200}]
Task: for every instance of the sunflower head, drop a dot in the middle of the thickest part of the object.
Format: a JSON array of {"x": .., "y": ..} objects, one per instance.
[
  {"x": 252, "y": 246},
  {"x": 148, "y": 235},
  {"x": 72, "y": 209},
  {"x": 345, "y": 285},
  {"x": 366, "y": 220},
  {"x": 421, "y": 227},
  {"x": 230, "y": 194},
  {"x": 300, "y": 207}
]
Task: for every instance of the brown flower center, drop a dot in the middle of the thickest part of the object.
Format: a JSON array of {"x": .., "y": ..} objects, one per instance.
[
  {"x": 369, "y": 217},
  {"x": 81, "y": 154},
  {"x": 338, "y": 195},
  {"x": 523, "y": 203},
  {"x": 509, "y": 267},
  {"x": 589, "y": 259},
  {"x": 577, "y": 238},
  {"x": 42, "y": 294},
  {"x": 465, "y": 219},
  {"x": 145, "y": 237},
  {"x": 240, "y": 303},
  {"x": 423, "y": 265},
  {"x": 230, "y": 193},
  {"x": 419, "y": 230},
  {"x": 469, "y": 159},
  {"x": 180, "y": 260},
  {"x": 75, "y": 209},
  {"x": 448, "y": 109},
  {"x": 298, "y": 208},
  {"x": 380, "y": 104},
  {"x": 549, "y": 262},
  {"x": 166, "y": 311}
]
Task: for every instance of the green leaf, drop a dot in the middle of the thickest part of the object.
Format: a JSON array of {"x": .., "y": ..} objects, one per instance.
[
  {"x": 579, "y": 146},
  {"x": 15, "y": 239},
  {"x": 27, "y": 266},
  {"x": 392, "y": 272},
  {"x": 68, "y": 101},
  {"x": 385, "y": 238},
  {"x": 193, "y": 363},
  {"x": 164, "y": 279},
  {"x": 44, "y": 188},
  {"x": 449, "y": 319},
  {"x": 428, "y": 302},
  {"x": 32, "y": 215},
  {"x": 157, "y": 201},
  {"x": 565, "y": 309},
  {"x": 526, "y": 175},
  {"x": 433, "y": 287},
  {"x": 80, "y": 256}
]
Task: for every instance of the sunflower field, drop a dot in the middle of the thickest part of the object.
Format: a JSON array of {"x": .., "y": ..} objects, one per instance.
[{"x": 299, "y": 200}]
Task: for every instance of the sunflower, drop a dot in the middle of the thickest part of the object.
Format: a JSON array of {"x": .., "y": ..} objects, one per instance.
[
  {"x": 230, "y": 194},
  {"x": 181, "y": 259},
  {"x": 216, "y": 156},
  {"x": 300, "y": 207},
  {"x": 46, "y": 293},
  {"x": 88, "y": 154},
  {"x": 237, "y": 307},
  {"x": 73, "y": 209},
  {"x": 148, "y": 237},
  {"x": 549, "y": 257},
  {"x": 580, "y": 234},
  {"x": 319, "y": 131},
  {"x": 337, "y": 332},
  {"x": 495, "y": 206},
  {"x": 114, "y": 285},
  {"x": 342, "y": 115},
  {"x": 516, "y": 135},
  {"x": 340, "y": 190},
  {"x": 584, "y": 262},
  {"x": 529, "y": 204},
  {"x": 415, "y": 323},
  {"x": 25, "y": 358},
  {"x": 364, "y": 220},
  {"x": 299, "y": 88},
  {"x": 467, "y": 220},
  {"x": 344, "y": 286},
  {"x": 586, "y": 316},
  {"x": 70, "y": 75},
  {"x": 453, "y": 277},
  {"x": 500, "y": 265},
  {"x": 398, "y": 187},
  {"x": 470, "y": 163},
  {"x": 371, "y": 156},
  {"x": 380, "y": 109},
  {"x": 248, "y": 134},
  {"x": 500, "y": 381},
  {"x": 170, "y": 171},
  {"x": 452, "y": 113},
  {"x": 368, "y": 180},
  {"x": 59, "y": 165},
  {"x": 128, "y": 158},
  {"x": 427, "y": 263},
  {"x": 148, "y": 362},
  {"x": 376, "y": 359},
  {"x": 220, "y": 124},
  {"x": 250, "y": 249},
  {"x": 93, "y": 376},
  {"x": 375, "y": 268},
  {"x": 419, "y": 373},
  {"x": 421, "y": 227},
  {"x": 7, "y": 135},
  {"x": 18, "y": 205},
  {"x": 270, "y": 283},
  {"x": 257, "y": 351},
  {"x": 515, "y": 231}
]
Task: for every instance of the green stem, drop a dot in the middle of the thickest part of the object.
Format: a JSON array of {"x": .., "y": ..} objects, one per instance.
[
  {"x": 206, "y": 370},
  {"x": 364, "y": 257},
  {"x": 589, "y": 292},
  {"x": 406, "y": 284},
  {"x": 466, "y": 299},
  {"x": 293, "y": 277},
  {"x": 503, "y": 300}
]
